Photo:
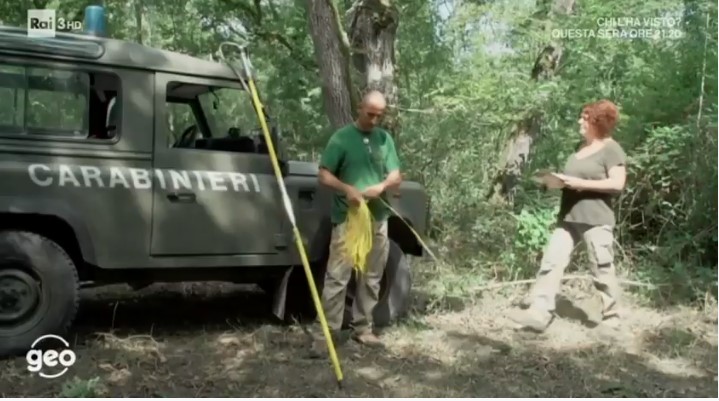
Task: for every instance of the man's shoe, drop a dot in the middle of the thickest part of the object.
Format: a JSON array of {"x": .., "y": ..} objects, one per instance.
[
  {"x": 612, "y": 322},
  {"x": 532, "y": 319},
  {"x": 614, "y": 328},
  {"x": 367, "y": 338},
  {"x": 318, "y": 347}
]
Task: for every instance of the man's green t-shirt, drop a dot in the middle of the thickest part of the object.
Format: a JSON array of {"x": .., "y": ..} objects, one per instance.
[
  {"x": 593, "y": 208},
  {"x": 360, "y": 159}
]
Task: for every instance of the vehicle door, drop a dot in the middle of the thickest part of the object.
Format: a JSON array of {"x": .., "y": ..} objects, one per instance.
[{"x": 214, "y": 194}]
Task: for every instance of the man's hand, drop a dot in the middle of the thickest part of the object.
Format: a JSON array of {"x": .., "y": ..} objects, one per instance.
[
  {"x": 374, "y": 191},
  {"x": 353, "y": 195}
]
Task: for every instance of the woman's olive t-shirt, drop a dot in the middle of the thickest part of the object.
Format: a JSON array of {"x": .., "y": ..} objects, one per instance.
[{"x": 594, "y": 208}]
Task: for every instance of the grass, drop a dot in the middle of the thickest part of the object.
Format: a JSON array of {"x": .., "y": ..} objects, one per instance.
[{"x": 164, "y": 342}]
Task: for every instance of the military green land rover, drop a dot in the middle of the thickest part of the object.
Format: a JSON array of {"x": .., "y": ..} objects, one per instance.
[{"x": 121, "y": 163}]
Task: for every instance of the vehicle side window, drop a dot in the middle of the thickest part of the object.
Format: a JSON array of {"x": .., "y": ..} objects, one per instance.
[
  {"x": 212, "y": 118},
  {"x": 180, "y": 119},
  {"x": 12, "y": 99},
  {"x": 67, "y": 103}
]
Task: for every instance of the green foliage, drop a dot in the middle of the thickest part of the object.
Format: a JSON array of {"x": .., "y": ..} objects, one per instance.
[
  {"x": 79, "y": 388},
  {"x": 670, "y": 211},
  {"x": 533, "y": 230},
  {"x": 670, "y": 203},
  {"x": 464, "y": 77}
]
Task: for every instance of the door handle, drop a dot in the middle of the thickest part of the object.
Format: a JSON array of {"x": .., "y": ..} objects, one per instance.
[
  {"x": 181, "y": 196},
  {"x": 307, "y": 194},
  {"x": 306, "y": 198}
]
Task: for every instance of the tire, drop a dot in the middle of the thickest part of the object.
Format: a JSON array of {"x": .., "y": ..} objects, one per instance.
[
  {"x": 46, "y": 278},
  {"x": 394, "y": 295}
]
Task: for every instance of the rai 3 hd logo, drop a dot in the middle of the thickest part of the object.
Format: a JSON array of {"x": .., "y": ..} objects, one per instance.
[
  {"x": 48, "y": 362},
  {"x": 43, "y": 23}
]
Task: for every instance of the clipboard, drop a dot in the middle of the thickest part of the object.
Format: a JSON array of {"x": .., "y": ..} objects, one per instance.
[{"x": 548, "y": 179}]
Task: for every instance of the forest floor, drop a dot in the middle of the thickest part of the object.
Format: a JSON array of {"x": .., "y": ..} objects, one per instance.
[{"x": 212, "y": 340}]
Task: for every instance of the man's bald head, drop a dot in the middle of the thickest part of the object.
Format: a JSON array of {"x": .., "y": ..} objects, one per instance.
[
  {"x": 371, "y": 110},
  {"x": 374, "y": 98}
]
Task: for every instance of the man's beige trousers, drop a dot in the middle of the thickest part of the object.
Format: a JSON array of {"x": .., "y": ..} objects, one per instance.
[{"x": 339, "y": 273}]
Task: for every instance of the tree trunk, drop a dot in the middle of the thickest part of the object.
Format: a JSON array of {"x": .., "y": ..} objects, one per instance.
[
  {"x": 138, "y": 21},
  {"x": 372, "y": 27},
  {"x": 520, "y": 145},
  {"x": 330, "y": 53}
]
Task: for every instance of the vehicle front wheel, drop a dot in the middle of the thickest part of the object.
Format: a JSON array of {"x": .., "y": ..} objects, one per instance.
[{"x": 38, "y": 290}]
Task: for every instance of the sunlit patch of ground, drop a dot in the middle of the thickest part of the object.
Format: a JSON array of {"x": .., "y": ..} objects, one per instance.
[{"x": 215, "y": 341}]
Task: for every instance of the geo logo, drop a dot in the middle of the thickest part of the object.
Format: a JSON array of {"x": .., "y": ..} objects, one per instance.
[{"x": 37, "y": 359}]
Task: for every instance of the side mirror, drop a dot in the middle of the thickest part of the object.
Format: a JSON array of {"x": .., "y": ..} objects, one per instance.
[{"x": 276, "y": 134}]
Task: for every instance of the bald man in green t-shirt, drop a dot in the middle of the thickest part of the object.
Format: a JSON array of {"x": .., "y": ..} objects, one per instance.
[{"x": 359, "y": 162}]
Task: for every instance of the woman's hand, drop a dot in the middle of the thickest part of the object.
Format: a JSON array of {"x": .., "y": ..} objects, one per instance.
[{"x": 573, "y": 182}]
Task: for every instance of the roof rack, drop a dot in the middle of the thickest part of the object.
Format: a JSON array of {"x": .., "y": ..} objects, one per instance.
[{"x": 17, "y": 40}]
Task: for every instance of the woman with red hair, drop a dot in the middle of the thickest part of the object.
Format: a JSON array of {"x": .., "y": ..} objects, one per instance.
[{"x": 591, "y": 178}]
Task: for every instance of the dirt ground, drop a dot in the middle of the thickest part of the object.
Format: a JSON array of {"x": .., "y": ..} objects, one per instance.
[{"x": 219, "y": 340}]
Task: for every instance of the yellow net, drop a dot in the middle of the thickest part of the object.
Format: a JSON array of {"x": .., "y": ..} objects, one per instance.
[{"x": 358, "y": 236}]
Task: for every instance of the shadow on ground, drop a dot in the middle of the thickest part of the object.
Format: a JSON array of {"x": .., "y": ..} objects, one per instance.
[
  {"x": 172, "y": 309},
  {"x": 170, "y": 344}
]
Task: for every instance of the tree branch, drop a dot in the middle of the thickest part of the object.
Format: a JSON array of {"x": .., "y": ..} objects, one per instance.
[
  {"x": 344, "y": 40},
  {"x": 704, "y": 71},
  {"x": 346, "y": 54},
  {"x": 271, "y": 37},
  {"x": 273, "y": 9},
  {"x": 258, "y": 11},
  {"x": 249, "y": 11},
  {"x": 565, "y": 278}
]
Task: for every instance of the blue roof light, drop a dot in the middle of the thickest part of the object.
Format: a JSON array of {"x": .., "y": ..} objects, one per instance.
[{"x": 94, "y": 23}]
